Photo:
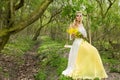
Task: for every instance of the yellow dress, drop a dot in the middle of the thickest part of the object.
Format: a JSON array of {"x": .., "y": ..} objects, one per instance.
[{"x": 84, "y": 60}]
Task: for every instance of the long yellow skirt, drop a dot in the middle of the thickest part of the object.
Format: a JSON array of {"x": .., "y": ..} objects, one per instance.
[{"x": 88, "y": 63}]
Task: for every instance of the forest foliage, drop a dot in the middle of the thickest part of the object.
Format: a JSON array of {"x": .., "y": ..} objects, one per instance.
[{"x": 24, "y": 22}]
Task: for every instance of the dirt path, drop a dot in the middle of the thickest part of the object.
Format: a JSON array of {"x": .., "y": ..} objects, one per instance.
[
  {"x": 16, "y": 71},
  {"x": 30, "y": 66}
]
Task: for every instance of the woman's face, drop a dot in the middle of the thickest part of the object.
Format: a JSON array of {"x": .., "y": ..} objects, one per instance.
[{"x": 79, "y": 17}]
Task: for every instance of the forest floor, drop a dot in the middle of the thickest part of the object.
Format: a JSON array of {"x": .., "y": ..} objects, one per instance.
[
  {"x": 30, "y": 66},
  {"x": 24, "y": 71}
]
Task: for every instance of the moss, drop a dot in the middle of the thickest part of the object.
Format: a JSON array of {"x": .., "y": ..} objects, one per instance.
[{"x": 3, "y": 32}]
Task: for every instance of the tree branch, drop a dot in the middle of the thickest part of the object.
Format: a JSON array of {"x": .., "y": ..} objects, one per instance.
[
  {"x": 19, "y": 5},
  {"x": 110, "y": 1},
  {"x": 27, "y": 21},
  {"x": 53, "y": 15},
  {"x": 110, "y": 5},
  {"x": 42, "y": 26}
]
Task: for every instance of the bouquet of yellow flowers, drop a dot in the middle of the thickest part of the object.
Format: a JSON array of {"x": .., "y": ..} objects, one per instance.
[{"x": 75, "y": 32}]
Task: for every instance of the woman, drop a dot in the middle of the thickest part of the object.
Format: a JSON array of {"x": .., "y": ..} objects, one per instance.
[{"x": 84, "y": 61}]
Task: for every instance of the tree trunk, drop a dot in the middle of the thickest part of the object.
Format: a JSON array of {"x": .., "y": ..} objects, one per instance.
[
  {"x": 52, "y": 33},
  {"x": 38, "y": 31},
  {"x": 6, "y": 21},
  {"x": 37, "y": 34},
  {"x": 3, "y": 41}
]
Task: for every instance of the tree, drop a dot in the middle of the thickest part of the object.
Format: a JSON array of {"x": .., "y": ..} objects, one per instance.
[
  {"x": 55, "y": 13},
  {"x": 8, "y": 24}
]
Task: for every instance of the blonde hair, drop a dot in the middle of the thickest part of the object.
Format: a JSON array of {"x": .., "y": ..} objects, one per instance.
[{"x": 78, "y": 12}]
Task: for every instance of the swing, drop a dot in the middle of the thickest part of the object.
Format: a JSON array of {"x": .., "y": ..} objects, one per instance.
[{"x": 67, "y": 41}]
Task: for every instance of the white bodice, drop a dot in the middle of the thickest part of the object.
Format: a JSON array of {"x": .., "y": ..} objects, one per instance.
[{"x": 82, "y": 30}]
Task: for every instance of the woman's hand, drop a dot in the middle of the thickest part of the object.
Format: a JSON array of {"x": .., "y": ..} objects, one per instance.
[{"x": 73, "y": 36}]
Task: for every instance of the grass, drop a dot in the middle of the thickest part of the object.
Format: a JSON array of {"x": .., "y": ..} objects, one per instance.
[{"x": 53, "y": 62}]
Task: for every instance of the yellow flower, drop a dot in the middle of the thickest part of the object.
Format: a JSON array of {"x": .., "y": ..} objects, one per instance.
[{"x": 74, "y": 31}]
